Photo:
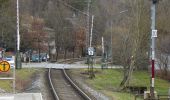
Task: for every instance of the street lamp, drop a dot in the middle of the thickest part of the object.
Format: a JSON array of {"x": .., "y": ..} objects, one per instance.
[
  {"x": 111, "y": 40},
  {"x": 18, "y": 56},
  {"x": 88, "y": 35}
]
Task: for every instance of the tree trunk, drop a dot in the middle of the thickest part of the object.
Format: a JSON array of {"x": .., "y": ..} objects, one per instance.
[
  {"x": 166, "y": 66},
  {"x": 127, "y": 75},
  {"x": 129, "y": 71}
]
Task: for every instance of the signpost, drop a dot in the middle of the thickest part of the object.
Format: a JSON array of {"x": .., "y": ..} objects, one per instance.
[
  {"x": 91, "y": 58},
  {"x": 91, "y": 51},
  {"x": 5, "y": 67}
]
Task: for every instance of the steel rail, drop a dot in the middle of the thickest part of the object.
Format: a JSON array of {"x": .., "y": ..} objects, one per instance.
[
  {"x": 80, "y": 91},
  {"x": 52, "y": 86},
  {"x": 76, "y": 87}
]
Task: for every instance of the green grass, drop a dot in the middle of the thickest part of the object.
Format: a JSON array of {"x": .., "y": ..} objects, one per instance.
[
  {"x": 5, "y": 85},
  {"x": 108, "y": 81},
  {"x": 24, "y": 74},
  {"x": 21, "y": 74},
  {"x": 141, "y": 78}
]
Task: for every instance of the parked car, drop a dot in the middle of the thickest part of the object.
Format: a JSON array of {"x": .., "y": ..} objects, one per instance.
[
  {"x": 36, "y": 58},
  {"x": 11, "y": 60},
  {"x": 44, "y": 56}
]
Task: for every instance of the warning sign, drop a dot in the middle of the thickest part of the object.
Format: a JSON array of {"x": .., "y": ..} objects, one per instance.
[{"x": 4, "y": 66}]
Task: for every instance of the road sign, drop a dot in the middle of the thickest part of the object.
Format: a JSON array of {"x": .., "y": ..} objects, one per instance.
[
  {"x": 4, "y": 66},
  {"x": 154, "y": 33},
  {"x": 91, "y": 51}
]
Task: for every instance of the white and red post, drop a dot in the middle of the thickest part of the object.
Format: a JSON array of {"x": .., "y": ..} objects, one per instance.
[{"x": 153, "y": 38}]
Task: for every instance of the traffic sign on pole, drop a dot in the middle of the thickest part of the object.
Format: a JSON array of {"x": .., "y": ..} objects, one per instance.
[
  {"x": 4, "y": 66},
  {"x": 91, "y": 51},
  {"x": 154, "y": 33}
]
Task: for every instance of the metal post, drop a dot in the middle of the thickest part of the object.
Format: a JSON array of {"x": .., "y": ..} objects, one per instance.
[
  {"x": 103, "y": 54},
  {"x": 14, "y": 79},
  {"x": 91, "y": 33},
  {"x": 91, "y": 58},
  {"x": 87, "y": 31},
  {"x": 88, "y": 19},
  {"x": 18, "y": 35},
  {"x": 111, "y": 40},
  {"x": 18, "y": 56},
  {"x": 102, "y": 45},
  {"x": 153, "y": 19},
  {"x": 39, "y": 50}
]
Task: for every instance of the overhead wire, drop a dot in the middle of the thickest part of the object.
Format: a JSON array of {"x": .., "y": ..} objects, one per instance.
[{"x": 66, "y": 4}]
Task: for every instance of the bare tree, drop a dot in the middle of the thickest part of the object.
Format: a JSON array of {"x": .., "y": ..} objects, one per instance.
[
  {"x": 137, "y": 34},
  {"x": 164, "y": 56}
]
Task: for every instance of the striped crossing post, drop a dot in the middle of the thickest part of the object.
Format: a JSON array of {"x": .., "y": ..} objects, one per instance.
[{"x": 153, "y": 38}]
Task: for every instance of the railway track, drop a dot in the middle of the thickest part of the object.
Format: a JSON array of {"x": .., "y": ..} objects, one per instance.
[{"x": 62, "y": 86}]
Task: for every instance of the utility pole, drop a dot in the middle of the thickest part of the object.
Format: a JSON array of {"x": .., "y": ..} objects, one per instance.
[
  {"x": 91, "y": 56},
  {"x": 102, "y": 45},
  {"x": 87, "y": 32},
  {"x": 111, "y": 36},
  {"x": 153, "y": 38},
  {"x": 18, "y": 56},
  {"x": 103, "y": 54},
  {"x": 91, "y": 31},
  {"x": 88, "y": 19}
]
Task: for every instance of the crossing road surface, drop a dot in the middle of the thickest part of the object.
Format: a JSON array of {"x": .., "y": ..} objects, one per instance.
[{"x": 60, "y": 66}]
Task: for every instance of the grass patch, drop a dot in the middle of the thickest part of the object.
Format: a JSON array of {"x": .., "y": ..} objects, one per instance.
[
  {"x": 6, "y": 85},
  {"x": 108, "y": 81},
  {"x": 23, "y": 76}
]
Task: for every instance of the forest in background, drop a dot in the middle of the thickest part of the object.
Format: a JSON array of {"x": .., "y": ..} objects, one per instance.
[{"x": 67, "y": 20}]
